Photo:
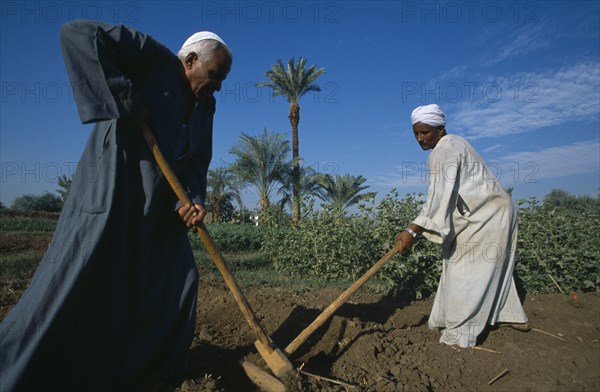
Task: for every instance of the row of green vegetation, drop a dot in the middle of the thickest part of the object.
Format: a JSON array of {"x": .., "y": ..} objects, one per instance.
[
  {"x": 30, "y": 223},
  {"x": 557, "y": 252}
]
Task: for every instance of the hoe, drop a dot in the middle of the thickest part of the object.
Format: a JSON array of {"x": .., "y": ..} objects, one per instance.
[
  {"x": 271, "y": 384},
  {"x": 275, "y": 359},
  {"x": 273, "y": 356}
]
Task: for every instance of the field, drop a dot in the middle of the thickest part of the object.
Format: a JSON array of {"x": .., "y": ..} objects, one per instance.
[{"x": 375, "y": 342}]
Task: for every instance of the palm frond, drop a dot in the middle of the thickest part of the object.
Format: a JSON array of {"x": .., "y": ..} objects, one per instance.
[
  {"x": 342, "y": 191},
  {"x": 262, "y": 161},
  {"x": 293, "y": 80}
]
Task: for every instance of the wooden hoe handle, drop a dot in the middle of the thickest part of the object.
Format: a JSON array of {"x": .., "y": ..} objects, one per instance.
[
  {"x": 208, "y": 242},
  {"x": 324, "y": 316}
]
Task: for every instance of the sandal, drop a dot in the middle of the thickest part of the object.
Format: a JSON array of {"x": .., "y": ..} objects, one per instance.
[{"x": 523, "y": 327}]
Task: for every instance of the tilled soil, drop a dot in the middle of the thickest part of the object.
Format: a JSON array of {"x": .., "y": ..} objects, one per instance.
[
  {"x": 380, "y": 343},
  {"x": 13, "y": 243}
]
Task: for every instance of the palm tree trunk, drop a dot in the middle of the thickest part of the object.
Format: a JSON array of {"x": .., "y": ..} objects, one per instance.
[
  {"x": 216, "y": 211},
  {"x": 294, "y": 121},
  {"x": 263, "y": 199},
  {"x": 263, "y": 202}
]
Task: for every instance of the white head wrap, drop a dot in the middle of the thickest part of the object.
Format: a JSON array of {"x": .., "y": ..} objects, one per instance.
[
  {"x": 202, "y": 35},
  {"x": 429, "y": 114}
]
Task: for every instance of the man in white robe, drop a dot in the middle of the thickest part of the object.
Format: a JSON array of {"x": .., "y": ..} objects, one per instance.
[{"x": 475, "y": 220}]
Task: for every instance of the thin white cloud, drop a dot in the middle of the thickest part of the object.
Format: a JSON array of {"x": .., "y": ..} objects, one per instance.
[
  {"x": 529, "y": 101},
  {"x": 454, "y": 72},
  {"x": 527, "y": 39},
  {"x": 515, "y": 168},
  {"x": 493, "y": 148},
  {"x": 405, "y": 175},
  {"x": 553, "y": 162}
]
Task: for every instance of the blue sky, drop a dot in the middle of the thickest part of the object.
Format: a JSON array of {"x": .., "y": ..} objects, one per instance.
[{"x": 519, "y": 80}]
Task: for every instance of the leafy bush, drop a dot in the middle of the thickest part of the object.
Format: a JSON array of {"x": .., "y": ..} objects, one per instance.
[
  {"x": 416, "y": 272},
  {"x": 322, "y": 244},
  {"x": 326, "y": 245},
  {"x": 275, "y": 215},
  {"x": 46, "y": 202},
  {"x": 561, "y": 198},
  {"x": 557, "y": 249},
  {"x": 231, "y": 238}
]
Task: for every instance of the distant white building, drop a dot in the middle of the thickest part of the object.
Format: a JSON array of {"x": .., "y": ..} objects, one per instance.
[{"x": 254, "y": 218}]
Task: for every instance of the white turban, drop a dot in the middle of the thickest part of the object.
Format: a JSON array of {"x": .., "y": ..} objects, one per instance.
[
  {"x": 429, "y": 114},
  {"x": 202, "y": 35}
]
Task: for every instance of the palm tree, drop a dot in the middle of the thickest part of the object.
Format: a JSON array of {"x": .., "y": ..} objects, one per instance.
[
  {"x": 65, "y": 183},
  {"x": 222, "y": 189},
  {"x": 308, "y": 185},
  {"x": 262, "y": 161},
  {"x": 292, "y": 82},
  {"x": 342, "y": 191}
]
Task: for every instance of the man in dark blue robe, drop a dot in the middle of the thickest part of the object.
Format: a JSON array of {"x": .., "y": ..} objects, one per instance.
[{"x": 112, "y": 304}]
